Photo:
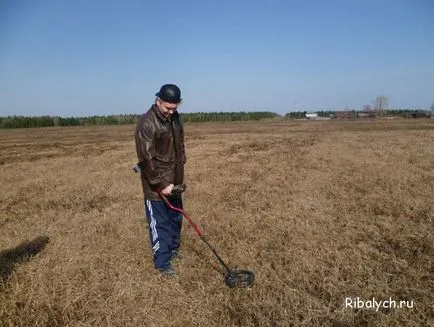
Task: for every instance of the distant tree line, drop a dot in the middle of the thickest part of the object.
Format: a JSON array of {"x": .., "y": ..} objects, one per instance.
[
  {"x": 25, "y": 122},
  {"x": 302, "y": 114},
  {"x": 405, "y": 113},
  {"x": 48, "y": 121},
  {"x": 353, "y": 114},
  {"x": 227, "y": 116}
]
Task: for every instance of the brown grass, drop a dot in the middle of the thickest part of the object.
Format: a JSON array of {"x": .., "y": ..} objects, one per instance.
[{"x": 320, "y": 211}]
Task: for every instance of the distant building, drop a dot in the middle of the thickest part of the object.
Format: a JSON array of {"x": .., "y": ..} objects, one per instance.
[
  {"x": 342, "y": 114},
  {"x": 312, "y": 115},
  {"x": 315, "y": 116},
  {"x": 367, "y": 113}
]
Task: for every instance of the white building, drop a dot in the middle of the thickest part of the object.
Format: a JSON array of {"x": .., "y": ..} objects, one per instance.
[{"x": 312, "y": 115}]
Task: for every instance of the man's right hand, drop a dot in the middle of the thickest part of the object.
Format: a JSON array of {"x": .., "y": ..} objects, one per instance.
[{"x": 168, "y": 190}]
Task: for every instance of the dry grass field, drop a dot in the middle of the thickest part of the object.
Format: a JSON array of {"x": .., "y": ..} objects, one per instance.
[{"x": 320, "y": 211}]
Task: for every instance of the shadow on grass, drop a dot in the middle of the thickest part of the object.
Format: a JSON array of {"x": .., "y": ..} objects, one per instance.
[{"x": 9, "y": 258}]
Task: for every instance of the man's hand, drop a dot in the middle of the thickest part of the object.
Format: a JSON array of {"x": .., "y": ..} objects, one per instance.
[{"x": 168, "y": 190}]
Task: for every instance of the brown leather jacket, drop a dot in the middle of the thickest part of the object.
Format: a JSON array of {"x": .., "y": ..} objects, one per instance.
[{"x": 160, "y": 151}]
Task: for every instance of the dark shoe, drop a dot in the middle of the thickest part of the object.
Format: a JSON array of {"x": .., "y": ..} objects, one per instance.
[
  {"x": 169, "y": 272},
  {"x": 176, "y": 255}
]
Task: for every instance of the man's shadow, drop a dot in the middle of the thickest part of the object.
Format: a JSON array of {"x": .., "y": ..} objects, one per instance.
[{"x": 10, "y": 257}]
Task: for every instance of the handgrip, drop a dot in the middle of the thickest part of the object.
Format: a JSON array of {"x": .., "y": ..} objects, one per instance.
[{"x": 178, "y": 189}]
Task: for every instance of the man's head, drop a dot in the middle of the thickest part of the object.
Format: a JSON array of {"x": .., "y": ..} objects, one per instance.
[{"x": 168, "y": 99}]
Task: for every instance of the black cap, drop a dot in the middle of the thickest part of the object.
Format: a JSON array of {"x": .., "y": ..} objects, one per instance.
[{"x": 169, "y": 93}]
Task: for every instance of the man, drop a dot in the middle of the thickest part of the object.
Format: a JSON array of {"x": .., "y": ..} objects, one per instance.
[{"x": 159, "y": 139}]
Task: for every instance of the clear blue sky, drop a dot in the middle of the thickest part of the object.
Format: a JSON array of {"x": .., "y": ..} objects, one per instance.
[{"x": 95, "y": 57}]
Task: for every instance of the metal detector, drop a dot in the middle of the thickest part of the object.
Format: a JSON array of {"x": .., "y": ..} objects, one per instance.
[{"x": 233, "y": 278}]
